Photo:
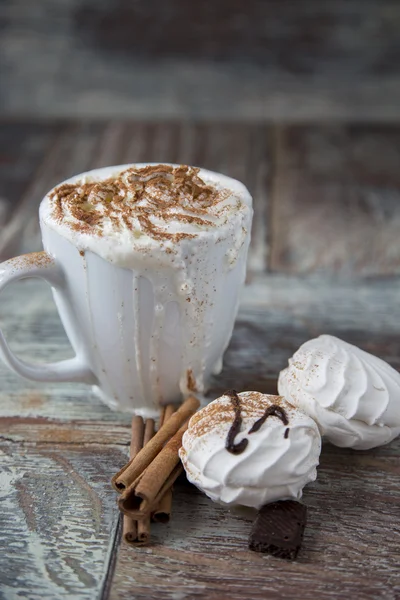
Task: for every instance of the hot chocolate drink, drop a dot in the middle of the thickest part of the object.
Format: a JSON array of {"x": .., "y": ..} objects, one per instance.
[{"x": 157, "y": 255}]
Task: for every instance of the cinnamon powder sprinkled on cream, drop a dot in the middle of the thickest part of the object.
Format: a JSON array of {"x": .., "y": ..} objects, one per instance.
[{"x": 137, "y": 198}]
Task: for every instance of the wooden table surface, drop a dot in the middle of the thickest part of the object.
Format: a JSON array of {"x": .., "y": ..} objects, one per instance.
[{"x": 325, "y": 258}]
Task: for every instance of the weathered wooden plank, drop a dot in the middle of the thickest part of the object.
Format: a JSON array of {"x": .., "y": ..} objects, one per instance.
[
  {"x": 109, "y": 147},
  {"x": 277, "y": 314},
  {"x": 59, "y": 533},
  {"x": 42, "y": 430},
  {"x": 350, "y": 547},
  {"x": 58, "y": 520},
  {"x": 258, "y": 180},
  {"x": 336, "y": 205},
  {"x": 282, "y": 60},
  {"x": 189, "y": 557}
]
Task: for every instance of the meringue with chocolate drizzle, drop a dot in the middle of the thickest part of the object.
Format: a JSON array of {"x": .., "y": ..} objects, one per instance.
[
  {"x": 250, "y": 449},
  {"x": 352, "y": 395}
]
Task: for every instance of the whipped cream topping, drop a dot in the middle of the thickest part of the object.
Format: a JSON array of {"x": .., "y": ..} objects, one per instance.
[
  {"x": 117, "y": 210},
  {"x": 352, "y": 395},
  {"x": 278, "y": 459}
]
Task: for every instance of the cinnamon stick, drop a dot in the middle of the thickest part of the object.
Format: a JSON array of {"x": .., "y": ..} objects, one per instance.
[
  {"x": 137, "y": 434},
  {"x": 166, "y": 413},
  {"x": 130, "y": 529},
  {"x": 128, "y": 474},
  {"x": 143, "y": 525},
  {"x": 149, "y": 429},
  {"x": 162, "y": 513},
  {"x": 138, "y": 532},
  {"x": 141, "y": 497}
]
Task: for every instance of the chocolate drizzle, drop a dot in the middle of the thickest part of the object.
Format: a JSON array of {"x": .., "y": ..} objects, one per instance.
[
  {"x": 235, "y": 427},
  {"x": 271, "y": 411}
]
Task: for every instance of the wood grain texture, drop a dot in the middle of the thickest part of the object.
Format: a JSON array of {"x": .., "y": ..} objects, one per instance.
[
  {"x": 53, "y": 431},
  {"x": 336, "y": 204},
  {"x": 277, "y": 314},
  {"x": 22, "y": 147},
  {"x": 202, "y": 553},
  {"x": 58, "y": 520},
  {"x": 61, "y": 445},
  {"x": 153, "y": 59}
]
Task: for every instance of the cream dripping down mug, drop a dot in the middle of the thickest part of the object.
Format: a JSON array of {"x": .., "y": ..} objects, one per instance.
[{"x": 145, "y": 263}]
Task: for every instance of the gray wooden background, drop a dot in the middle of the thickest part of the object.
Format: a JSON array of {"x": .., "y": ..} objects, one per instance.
[
  {"x": 301, "y": 101},
  {"x": 222, "y": 59}
]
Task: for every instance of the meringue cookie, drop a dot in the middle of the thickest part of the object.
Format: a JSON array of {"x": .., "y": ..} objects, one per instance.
[
  {"x": 352, "y": 395},
  {"x": 273, "y": 449}
]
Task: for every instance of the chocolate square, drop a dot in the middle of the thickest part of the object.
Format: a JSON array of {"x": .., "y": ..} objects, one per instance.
[{"x": 278, "y": 529}]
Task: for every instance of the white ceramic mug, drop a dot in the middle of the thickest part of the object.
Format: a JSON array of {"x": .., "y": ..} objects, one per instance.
[{"x": 110, "y": 314}]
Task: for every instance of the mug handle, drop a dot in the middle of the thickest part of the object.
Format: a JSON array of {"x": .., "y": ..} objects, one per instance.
[{"x": 43, "y": 266}]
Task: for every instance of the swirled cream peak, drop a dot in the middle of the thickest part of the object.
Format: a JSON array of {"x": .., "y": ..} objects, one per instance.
[
  {"x": 146, "y": 204},
  {"x": 250, "y": 449},
  {"x": 353, "y": 395}
]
